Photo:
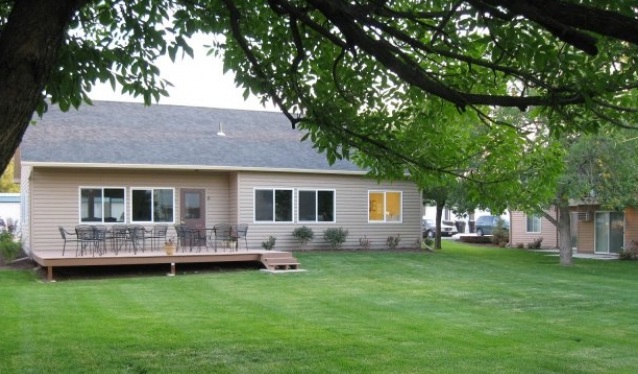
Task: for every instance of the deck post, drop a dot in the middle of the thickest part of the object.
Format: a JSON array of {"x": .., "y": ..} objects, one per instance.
[
  {"x": 50, "y": 273},
  {"x": 172, "y": 268}
]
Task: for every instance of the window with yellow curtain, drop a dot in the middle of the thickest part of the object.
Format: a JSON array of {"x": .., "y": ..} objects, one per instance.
[{"x": 384, "y": 206}]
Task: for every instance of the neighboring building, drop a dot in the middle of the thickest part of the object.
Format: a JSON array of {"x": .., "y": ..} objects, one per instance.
[
  {"x": 127, "y": 163},
  {"x": 593, "y": 230},
  {"x": 9, "y": 211},
  {"x": 524, "y": 229}
]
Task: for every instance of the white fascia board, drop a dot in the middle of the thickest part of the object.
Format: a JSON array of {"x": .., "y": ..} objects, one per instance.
[{"x": 186, "y": 167}]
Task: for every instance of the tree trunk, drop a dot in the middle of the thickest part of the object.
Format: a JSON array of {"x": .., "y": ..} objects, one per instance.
[
  {"x": 439, "y": 215},
  {"x": 565, "y": 235},
  {"x": 29, "y": 44}
]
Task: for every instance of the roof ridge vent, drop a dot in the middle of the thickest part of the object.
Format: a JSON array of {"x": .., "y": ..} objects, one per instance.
[{"x": 221, "y": 130}]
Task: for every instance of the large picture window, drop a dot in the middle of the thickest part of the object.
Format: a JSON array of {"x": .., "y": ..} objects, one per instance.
[
  {"x": 152, "y": 205},
  {"x": 533, "y": 224},
  {"x": 385, "y": 206},
  {"x": 101, "y": 205},
  {"x": 316, "y": 206},
  {"x": 273, "y": 205}
]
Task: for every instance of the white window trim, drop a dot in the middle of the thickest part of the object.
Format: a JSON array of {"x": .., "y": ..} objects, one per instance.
[
  {"x": 131, "y": 189},
  {"x": 540, "y": 224},
  {"x": 316, "y": 190},
  {"x": 385, "y": 199},
  {"x": 255, "y": 189},
  {"x": 80, "y": 188}
]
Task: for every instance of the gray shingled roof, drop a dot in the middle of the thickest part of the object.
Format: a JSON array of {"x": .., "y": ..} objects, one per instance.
[{"x": 117, "y": 133}]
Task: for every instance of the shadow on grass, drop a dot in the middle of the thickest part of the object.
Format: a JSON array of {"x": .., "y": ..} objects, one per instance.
[{"x": 130, "y": 271}]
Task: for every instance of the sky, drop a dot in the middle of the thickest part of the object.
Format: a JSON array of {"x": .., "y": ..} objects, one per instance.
[{"x": 197, "y": 82}]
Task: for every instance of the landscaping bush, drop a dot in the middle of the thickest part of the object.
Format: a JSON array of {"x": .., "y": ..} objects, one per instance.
[
  {"x": 269, "y": 244},
  {"x": 335, "y": 237},
  {"x": 500, "y": 234},
  {"x": 393, "y": 241},
  {"x": 427, "y": 244},
  {"x": 364, "y": 243},
  {"x": 304, "y": 234},
  {"x": 630, "y": 253},
  {"x": 9, "y": 248},
  {"x": 475, "y": 239},
  {"x": 535, "y": 244}
]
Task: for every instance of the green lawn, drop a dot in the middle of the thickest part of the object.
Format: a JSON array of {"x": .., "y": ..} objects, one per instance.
[{"x": 463, "y": 309}]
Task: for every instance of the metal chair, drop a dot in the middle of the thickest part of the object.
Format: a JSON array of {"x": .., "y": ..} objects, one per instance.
[
  {"x": 137, "y": 235},
  {"x": 180, "y": 232},
  {"x": 222, "y": 232},
  {"x": 242, "y": 231},
  {"x": 65, "y": 236},
  {"x": 197, "y": 238},
  {"x": 86, "y": 238},
  {"x": 157, "y": 235},
  {"x": 100, "y": 233},
  {"x": 119, "y": 237}
]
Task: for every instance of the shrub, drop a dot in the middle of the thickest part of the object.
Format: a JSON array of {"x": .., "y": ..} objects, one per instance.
[
  {"x": 520, "y": 245},
  {"x": 335, "y": 237},
  {"x": 500, "y": 235},
  {"x": 535, "y": 244},
  {"x": 304, "y": 234},
  {"x": 427, "y": 244},
  {"x": 364, "y": 243},
  {"x": 630, "y": 253},
  {"x": 475, "y": 239},
  {"x": 269, "y": 244},
  {"x": 416, "y": 244},
  {"x": 9, "y": 248},
  {"x": 393, "y": 241}
]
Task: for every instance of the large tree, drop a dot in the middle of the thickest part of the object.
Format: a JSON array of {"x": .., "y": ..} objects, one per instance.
[
  {"x": 599, "y": 170},
  {"x": 335, "y": 67}
]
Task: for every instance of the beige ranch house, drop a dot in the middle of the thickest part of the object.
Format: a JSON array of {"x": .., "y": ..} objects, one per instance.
[{"x": 124, "y": 163}]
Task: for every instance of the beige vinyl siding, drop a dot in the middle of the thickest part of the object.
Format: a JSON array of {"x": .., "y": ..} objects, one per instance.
[
  {"x": 25, "y": 207},
  {"x": 54, "y": 196},
  {"x": 519, "y": 234},
  {"x": 351, "y": 201},
  {"x": 234, "y": 198},
  {"x": 586, "y": 236}
]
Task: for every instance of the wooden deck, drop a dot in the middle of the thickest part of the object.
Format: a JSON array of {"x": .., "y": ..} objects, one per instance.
[{"x": 271, "y": 260}]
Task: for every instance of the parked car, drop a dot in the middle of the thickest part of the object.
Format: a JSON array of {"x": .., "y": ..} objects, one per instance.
[
  {"x": 429, "y": 228},
  {"x": 485, "y": 225}
]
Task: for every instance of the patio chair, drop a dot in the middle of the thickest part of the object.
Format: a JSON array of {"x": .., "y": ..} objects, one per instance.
[
  {"x": 100, "y": 233},
  {"x": 222, "y": 232},
  {"x": 137, "y": 235},
  {"x": 180, "y": 232},
  {"x": 242, "y": 231},
  {"x": 157, "y": 235},
  {"x": 65, "y": 236},
  {"x": 87, "y": 238},
  {"x": 119, "y": 237},
  {"x": 197, "y": 238}
]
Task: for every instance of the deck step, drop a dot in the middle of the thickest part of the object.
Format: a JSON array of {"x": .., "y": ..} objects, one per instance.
[{"x": 280, "y": 261}]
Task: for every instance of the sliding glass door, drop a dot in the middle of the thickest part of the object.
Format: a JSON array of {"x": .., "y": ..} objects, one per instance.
[{"x": 610, "y": 232}]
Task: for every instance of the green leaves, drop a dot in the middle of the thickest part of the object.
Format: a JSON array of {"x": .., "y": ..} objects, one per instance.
[
  {"x": 402, "y": 87},
  {"x": 116, "y": 42}
]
